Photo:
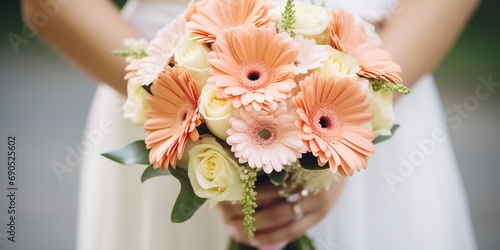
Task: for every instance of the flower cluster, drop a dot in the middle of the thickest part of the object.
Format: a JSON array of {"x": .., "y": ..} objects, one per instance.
[{"x": 271, "y": 83}]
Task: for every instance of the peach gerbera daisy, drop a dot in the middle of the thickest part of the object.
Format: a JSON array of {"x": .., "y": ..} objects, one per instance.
[
  {"x": 172, "y": 117},
  {"x": 252, "y": 67},
  {"x": 349, "y": 36},
  {"x": 377, "y": 63},
  {"x": 219, "y": 15},
  {"x": 266, "y": 139},
  {"x": 193, "y": 8},
  {"x": 332, "y": 113}
]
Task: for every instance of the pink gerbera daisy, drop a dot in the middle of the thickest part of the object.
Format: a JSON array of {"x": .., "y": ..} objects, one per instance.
[
  {"x": 193, "y": 8},
  {"x": 219, "y": 15},
  {"x": 172, "y": 117},
  {"x": 332, "y": 113},
  {"x": 311, "y": 55},
  {"x": 266, "y": 139},
  {"x": 348, "y": 36},
  {"x": 160, "y": 52},
  {"x": 252, "y": 67}
]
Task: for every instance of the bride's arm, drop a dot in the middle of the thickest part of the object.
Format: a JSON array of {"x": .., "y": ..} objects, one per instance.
[
  {"x": 420, "y": 33},
  {"x": 85, "y": 31}
]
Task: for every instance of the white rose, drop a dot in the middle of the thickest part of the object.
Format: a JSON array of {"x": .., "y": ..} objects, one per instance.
[
  {"x": 213, "y": 173},
  {"x": 383, "y": 114},
  {"x": 136, "y": 105},
  {"x": 193, "y": 56},
  {"x": 311, "y": 21},
  {"x": 339, "y": 64},
  {"x": 216, "y": 112}
]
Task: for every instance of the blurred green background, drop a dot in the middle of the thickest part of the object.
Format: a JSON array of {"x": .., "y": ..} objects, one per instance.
[{"x": 44, "y": 100}]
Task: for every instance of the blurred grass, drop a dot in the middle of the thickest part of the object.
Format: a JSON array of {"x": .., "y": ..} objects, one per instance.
[{"x": 476, "y": 52}]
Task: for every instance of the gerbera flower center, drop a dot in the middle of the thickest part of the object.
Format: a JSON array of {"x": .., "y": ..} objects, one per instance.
[
  {"x": 264, "y": 135},
  {"x": 254, "y": 75},
  {"x": 327, "y": 122},
  {"x": 184, "y": 116},
  {"x": 184, "y": 111}
]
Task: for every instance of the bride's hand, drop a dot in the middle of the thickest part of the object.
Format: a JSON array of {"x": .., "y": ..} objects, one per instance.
[{"x": 278, "y": 221}]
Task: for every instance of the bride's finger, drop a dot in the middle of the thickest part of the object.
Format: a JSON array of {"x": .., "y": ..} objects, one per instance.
[
  {"x": 288, "y": 233},
  {"x": 230, "y": 211},
  {"x": 281, "y": 213}
]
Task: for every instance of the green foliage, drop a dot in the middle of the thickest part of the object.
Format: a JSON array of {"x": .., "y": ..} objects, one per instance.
[
  {"x": 248, "y": 177},
  {"x": 288, "y": 18},
  {"x": 278, "y": 178},
  {"x": 133, "y": 153},
  {"x": 187, "y": 203},
  {"x": 151, "y": 172},
  {"x": 382, "y": 138},
  {"x": 129, "y": 53},
  {"x": 302, "y": 243},
  {"x": 384, "y": 85},
  {"x": 310, "y": 162}
]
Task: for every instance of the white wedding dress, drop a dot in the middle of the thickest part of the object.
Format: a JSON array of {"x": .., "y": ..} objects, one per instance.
[{"x": 410, "y": 197}]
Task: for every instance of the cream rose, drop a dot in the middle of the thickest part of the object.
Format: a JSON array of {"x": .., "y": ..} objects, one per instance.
[
  {"x": 311, "y": 21},
  {"x": 136, "y": 105},
  {"x": 213, "y": 173},
  {"x": 339, "y": 64},
  {"x": 193, "y": 56},
  {"x": 216, "y": 112},
  {"x": 383, "y": 114},
  {"x": 371, "y": 33}
]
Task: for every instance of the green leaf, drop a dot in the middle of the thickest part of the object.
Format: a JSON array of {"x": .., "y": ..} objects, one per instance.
[
  {"x": 187, "y": 203},
  {"x": 148, "y": 88},
  {"x": 310, "y": 162},
  {"x": 382, "y": 138},
  {"x": 203, "y": 129},
  {"x": 302, "y": 243},
  {"x": 134, "y": 153},
  {"x": 234, "y": 245},
  {"x": 151, "y": 172},
  {"x": 278, "y": 178}
]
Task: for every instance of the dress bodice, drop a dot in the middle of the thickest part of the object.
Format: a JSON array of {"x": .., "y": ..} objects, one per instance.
[{"x": 148, "y": 16}]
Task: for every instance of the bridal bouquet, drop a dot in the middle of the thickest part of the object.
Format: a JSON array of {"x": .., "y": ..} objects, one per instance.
[{"x": 232, "y": 91}]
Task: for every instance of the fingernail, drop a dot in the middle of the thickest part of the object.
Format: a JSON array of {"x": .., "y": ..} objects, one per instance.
[{"x": 277, "y": 246}]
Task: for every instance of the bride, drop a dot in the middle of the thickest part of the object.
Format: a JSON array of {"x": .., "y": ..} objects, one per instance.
[{"x": 410, "y": 197}]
